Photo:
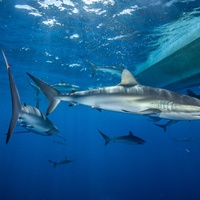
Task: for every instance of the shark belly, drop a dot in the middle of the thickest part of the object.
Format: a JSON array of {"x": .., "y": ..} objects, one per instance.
[
  {"x": 139, "y": 104},
  {"x": 107, "y": 102}
]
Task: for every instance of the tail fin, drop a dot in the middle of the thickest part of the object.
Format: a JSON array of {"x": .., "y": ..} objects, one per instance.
[
  {"x": 37, "y": 102},
  {"x": 50, "y": 92},
  {"x": 94, "y": 67},
  {"x": 37, "y": 89},
  {"x": 163, "y": 126},
  {"x": 107, "y": 139},
  {"x": 53, "y": 163},
  {"x": 16, "y": 105}
]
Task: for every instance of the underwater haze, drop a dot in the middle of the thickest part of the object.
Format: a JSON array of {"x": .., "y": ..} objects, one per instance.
[{"x": 81, "y": 45}]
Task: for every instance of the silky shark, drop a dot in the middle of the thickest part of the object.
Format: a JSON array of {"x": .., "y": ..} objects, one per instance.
[
  {"x": 128, "y": 139},
  {"x": 65, "y": 87},
  {"x": 128, "y": 97},
  {"x": 185, "y": 139},
  {"x": 62, "y": 162},
  {"x": 28, "y": 117},
  {"x": 106, "y": 69},
  {"x": 62, "y": 87}
]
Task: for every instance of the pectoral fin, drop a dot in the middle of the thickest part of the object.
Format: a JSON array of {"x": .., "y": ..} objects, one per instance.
[{"x": 151, "y": 111}]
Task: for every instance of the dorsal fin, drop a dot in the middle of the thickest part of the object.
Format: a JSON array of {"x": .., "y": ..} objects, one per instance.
[
  {"x": 127, "y": 79},
  {"x": 130, "y": 133}
]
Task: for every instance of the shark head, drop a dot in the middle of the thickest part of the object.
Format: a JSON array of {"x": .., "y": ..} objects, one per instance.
[
  {"x": 52, "y": 131},
  {"x": 141, "y": 141},
  {"x": 135, "y": 139}
]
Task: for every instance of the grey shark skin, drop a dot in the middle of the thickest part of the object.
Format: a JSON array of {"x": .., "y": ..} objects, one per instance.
[
  {"x": 128, "y": 139},
  {"x": 28, "y": 117},
  {"x": 128, "y": 97},
  {"x": 62, "y": 162}
]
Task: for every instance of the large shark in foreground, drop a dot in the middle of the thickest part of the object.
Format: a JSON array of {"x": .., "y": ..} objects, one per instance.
[
  {"x": 128, "y": 97},
  {"x": 128, "y": 139},
  {"x": 28, "y": 117}
]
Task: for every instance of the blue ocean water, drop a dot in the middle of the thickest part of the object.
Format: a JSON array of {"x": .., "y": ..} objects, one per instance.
[{"x": 51, "y": 39}]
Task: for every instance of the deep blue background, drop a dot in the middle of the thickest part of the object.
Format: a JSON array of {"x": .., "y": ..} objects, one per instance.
[{"x": 159, "y": 169}]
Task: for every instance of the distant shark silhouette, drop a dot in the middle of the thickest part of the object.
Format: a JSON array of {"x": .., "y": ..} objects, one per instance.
[
  {"x": 28, "y": 117},
  {"x": 113, "y": 70},
  {"x": 128, "y": 139},
  {"x": 128, "y": 97},
  {"x": 62, "y": 162},
  {"x": 185, "y": 139}
]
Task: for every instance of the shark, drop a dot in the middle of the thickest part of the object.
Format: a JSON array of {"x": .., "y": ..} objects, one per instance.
[
  {"x": 28, "y": 117},
  {"x": 128, "y": 139},
  {"x": 62, "y": 87},
  {"x": 65, "y": 87},
  {"x": 62, "y": 162},
  {"x": 113, "y": 70},
  {"x": 127, "y": 97},
  {"x": 185, "y": 139}
]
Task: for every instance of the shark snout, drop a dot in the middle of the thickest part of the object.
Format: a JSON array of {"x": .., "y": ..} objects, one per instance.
[
  {"x": 141, "y": 142},
  {"x": 53, "y": 130}
]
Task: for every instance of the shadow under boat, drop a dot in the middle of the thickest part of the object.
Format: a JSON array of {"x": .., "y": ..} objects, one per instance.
[{"x": 179, "y": 70}]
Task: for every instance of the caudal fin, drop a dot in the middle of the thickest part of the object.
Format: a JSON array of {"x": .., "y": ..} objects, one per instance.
[
  {"x": 37, "y": 89},
  {"x": 93, "y": 66},
  {"x": 163, "y": 126},
  {"x": 53, "y": 163},
  {"x": 16, "y": 105},
  {"x": 107, "y": 139},
  {"x": 50, "y": 92}
]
